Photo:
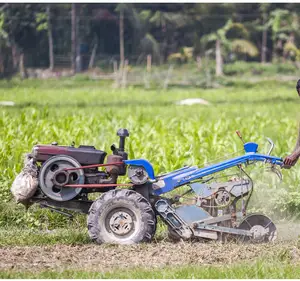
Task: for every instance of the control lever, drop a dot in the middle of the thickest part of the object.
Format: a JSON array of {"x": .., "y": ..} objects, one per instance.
[
  {"x": 286, "y": 167},
  {"x": 122, "y": 133},
  {"x": 113, "y": 148},
  {"x": 240, "y": 136},
  {"x": 272, "y": 146}
]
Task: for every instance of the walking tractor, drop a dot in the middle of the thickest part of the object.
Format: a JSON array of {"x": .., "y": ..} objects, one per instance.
[{"x": 212, "y": 203}]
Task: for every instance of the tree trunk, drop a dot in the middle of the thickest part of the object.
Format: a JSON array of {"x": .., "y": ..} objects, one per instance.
[
  {"x": 219, "y": 59},
  {"x": 264, "y": 41},
  {"x": 93, "y": 55},
  {"x": 74, "y": 38},
  {"x": 163, "y": 55},
  {"x": 199, "y": 62},
  {"x": 50, "y": 39},
  {"x": 15, "y": 56},
  {"x": 149, "y": 63},
  {"x": 78, "y": 39},
  {"x": 122, "y": 56},
  {"x": 22, "y": 68},
  {"x": 2, "y": 68}
]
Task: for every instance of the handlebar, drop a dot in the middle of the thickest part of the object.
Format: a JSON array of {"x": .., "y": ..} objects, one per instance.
[{"x": 272, "y": 146}]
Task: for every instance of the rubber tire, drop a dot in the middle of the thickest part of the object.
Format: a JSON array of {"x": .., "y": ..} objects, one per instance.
[{"x": 121, "y": 198}]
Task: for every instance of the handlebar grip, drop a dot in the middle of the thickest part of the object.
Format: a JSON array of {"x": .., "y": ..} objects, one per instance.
[{"x": 238, "y": 133}]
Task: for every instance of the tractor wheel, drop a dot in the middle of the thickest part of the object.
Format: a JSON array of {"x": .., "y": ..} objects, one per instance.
[
  {"x": 121, "y": 217},
  {"x": 262, "y": 228}
]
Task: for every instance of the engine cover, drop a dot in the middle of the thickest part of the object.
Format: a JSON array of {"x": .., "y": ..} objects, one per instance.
[{"x": 85, "y": 155}]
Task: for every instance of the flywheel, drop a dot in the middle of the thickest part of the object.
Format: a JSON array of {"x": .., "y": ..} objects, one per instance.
[{"x": 53, "y": 177}]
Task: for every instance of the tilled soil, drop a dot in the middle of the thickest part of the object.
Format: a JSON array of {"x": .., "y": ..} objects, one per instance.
[{"x": 153, "y": 255}]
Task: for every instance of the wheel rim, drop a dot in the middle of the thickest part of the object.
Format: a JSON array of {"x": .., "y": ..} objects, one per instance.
[{"x": 121, "y": 223}]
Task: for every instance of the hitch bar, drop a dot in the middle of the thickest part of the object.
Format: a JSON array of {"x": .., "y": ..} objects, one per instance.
[
  {"x": 52, "y": 209},
  {"x": 223, "y": 229},
  {"x": 98, "y": 185}
]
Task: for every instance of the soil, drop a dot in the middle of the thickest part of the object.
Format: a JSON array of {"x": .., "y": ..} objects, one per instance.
[
  {"x": 108, "y": 257},
  {"x": 152, "y": 255}
]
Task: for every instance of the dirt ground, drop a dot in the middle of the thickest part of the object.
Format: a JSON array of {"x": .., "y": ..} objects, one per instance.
[
  {"x": 106, "y": 258},
  {"x": 152, "y": 255}
]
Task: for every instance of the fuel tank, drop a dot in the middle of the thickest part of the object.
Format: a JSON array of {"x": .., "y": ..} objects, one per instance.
[{"x": 85, "y": 155}]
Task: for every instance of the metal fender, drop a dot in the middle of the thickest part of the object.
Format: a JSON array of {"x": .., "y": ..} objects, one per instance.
[{"x": 143, "y": 163}]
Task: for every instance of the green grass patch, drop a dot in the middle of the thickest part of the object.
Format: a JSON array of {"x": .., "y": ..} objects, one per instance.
[
  {"x": 33, "y": 237},
  {"x": 250, "y": 270},
  {"x": 168, "y": 135}
]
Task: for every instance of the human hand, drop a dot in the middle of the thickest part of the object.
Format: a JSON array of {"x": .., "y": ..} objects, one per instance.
[{"x": 291, "y": 160}]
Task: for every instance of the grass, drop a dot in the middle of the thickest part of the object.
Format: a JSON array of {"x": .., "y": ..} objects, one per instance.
[
  {"x": 33, "y": 237},
  {"x": 251, "y": 270},
  {"x": 169, "y": 136}
]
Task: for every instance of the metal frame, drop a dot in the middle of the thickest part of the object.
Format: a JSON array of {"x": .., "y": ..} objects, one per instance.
[
  {"x": 185, "y": 175},
  {"x": 158, "y": 185}
]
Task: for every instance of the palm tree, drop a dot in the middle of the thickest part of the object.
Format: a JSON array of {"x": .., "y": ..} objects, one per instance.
[
  {"x": 140, "y": 22},
  {"x": 166, "y": 21},
  {"x": 284, "y": 25},
  {"x": 223, "y": 41}
]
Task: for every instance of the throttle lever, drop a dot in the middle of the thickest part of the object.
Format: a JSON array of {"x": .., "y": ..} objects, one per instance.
[
  {"x": 240, "y": 135},
  {"x": 272, "y": 146}
]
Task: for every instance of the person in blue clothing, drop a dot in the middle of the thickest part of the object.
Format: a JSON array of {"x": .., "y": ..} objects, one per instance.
[{"x": 293, "y": 158}]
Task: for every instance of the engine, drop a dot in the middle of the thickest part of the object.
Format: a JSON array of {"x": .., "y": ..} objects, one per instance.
[
  {"x": 60, "y": 166},
  {"x": 85, "y": 155}
]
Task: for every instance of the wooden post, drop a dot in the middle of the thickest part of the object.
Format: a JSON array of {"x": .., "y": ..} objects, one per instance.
[
  {"x": 166, "y": 82},
  {"x": 115, "y": 65}
]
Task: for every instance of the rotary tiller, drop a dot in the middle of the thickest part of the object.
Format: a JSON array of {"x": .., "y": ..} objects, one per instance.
[{"x": 212, "y": 203}]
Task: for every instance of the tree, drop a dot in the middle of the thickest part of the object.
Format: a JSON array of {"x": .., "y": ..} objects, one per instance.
[
  {"x": 284, "y": 25},
  {"x": 3, "y": 44},
  {"x": 224, "y": 40},
  {"x": 167, "y": 22},
  {"x": 74, "y": 38},
  {"x": 43, "y": 20},
  {"x": 121, "y": 9},
  {"x": 264, "y": 10},
  {"x": 50, "y": 39},
  {"x": 122, "y": 51}
]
